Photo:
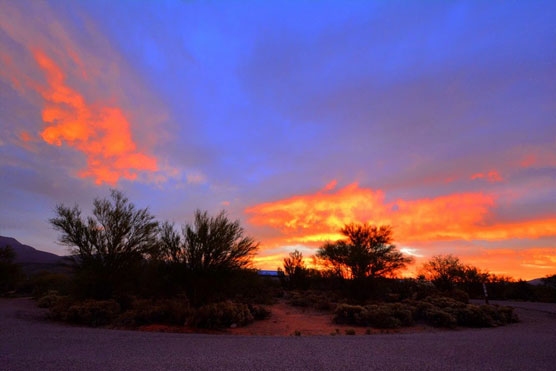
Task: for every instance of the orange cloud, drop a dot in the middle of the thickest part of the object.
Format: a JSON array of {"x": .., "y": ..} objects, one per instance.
[
  {"x": 330, "y": 186},
  {"x": 102, "y": 133},
  {"x": 491, "y": 176},
  {"x": 318, "y": 217},
  {"x": 314, "y": 218},
  {"x": 525, "y": 264}
]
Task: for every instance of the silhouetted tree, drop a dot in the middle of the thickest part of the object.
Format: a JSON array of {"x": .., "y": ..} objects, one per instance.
[
  {"x": 447, "y": 271},
  {"x": 107, "y": 245},
  {"x": 550, "y": 281},
  {"x": 210, "y": 243},
  {"x": 367, "y": 251},
  {"x": 443, "y": 270},
  {"x": 295, "y": 269},
  {"x": 10, "y": 273},
  {"x": 294, "y": 263}
]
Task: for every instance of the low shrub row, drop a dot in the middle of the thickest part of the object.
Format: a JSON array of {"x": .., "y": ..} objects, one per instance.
[
  {"x": 144, "y": 312},
  {"x": 435, "y": 311},
  {"x": 319, "y": 300}
]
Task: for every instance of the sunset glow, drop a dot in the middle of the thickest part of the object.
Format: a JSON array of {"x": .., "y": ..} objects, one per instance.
[{"x": 436, "y": 119}]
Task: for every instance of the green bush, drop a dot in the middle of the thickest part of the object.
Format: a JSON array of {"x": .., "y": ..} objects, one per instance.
[
  {"x": 221, "y": 315},
  {"x": 435, "y": 311},
  {"x": 164, "y": 311},
  {"x": 440, "y": 318},
  {"x": 499, "y": 315},
  {"x": 313, "y": 299},
  {"x": 474, "y": 316},
  {"x": 380, "y": 316},
  {"x": 49, "y": 300},
  {"x": 402, "y": 312},
  {"x": 44, "y": 282},
  {"x": 90, "y": 312},
  {"x": 444, "y": 302},
  {"x": 459, "y": 295},
  {"x": 350, "y": 314},
  {"x": 389, "y": 315}
]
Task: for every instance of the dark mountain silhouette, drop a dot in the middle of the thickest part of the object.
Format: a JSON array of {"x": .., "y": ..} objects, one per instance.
[
  {"x": 33, "y": 260},
  {"x": 536, "y": 282}
]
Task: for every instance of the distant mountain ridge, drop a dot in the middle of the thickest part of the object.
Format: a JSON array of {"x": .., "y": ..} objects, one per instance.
[
  {"x": 27, "y": 254},
  {"x": 32, "y": 260}
]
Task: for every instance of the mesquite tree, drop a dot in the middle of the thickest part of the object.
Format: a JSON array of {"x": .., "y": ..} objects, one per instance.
[{"x": 366, "y": 251}]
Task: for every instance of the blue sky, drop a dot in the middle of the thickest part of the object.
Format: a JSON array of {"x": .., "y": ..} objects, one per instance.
[{"x": 242, "y": 104}]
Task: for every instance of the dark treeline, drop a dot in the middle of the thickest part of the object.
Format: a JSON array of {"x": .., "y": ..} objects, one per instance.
[
  {"x": 128, "y": 270},
  {"x": 364, "y": 266}
]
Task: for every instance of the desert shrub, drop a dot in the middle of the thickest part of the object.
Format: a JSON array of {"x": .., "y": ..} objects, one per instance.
[
  {"x": 259, "y": 312},
  {"x": 380, "y": 316},
  {"x": 419, "y": 308},
  {"x": 404, "y": 313},
  {"x": 314, "y": 299},
  {"x": 10, "y": 272},
  {"x": 383, "y": 315},
  {"x": 221, "y": 315},
  {"x": 459, "y": 295},
  {"x": 49, "y": 300},
  {"x": 499, "y": 315},
  {"x": 440, "y": 318},
  {"x": 162, "y": 311},
  {"x": 90, "y": 312},
  {"x": 350, "y": 314},
  {"x": 474, "y": 316},
  {"x": 444, "y": 302},
  {"x": 507, "y": 314},
  {"x": 435, "y": 311},
  {"x": 299, "y": 300},
  {"x": 350, "y": 331},
  {"x": 44, "y": 282}
]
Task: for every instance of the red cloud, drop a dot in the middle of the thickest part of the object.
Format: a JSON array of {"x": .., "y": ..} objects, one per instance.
[{"x": 491, "y": 176}]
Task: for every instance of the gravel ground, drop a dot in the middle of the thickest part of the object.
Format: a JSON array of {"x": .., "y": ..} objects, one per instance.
[{"x": 28, "y": 342}]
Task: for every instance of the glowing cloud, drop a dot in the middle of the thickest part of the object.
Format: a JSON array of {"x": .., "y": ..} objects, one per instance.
[
  {"x": 318, "y": 217},
  {"x": 102, "y": 133},
  {"x": 491, "y": 176}
]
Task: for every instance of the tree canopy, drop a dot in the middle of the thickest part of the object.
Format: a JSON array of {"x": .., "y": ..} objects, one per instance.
[
  {"x": 116, "y": 234},
  {"x": 209, "y": 243},
  {"x": 366, "y": 251},
  {"x": 445, "y": 271}
]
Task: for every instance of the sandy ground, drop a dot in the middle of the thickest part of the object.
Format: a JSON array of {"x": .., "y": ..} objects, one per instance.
[
  {"x": 29, "y": 342},
  {"x": 286, "y": 319}
]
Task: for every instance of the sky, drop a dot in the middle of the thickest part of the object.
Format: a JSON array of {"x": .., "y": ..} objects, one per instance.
[{"x": 296, "y": 117}]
